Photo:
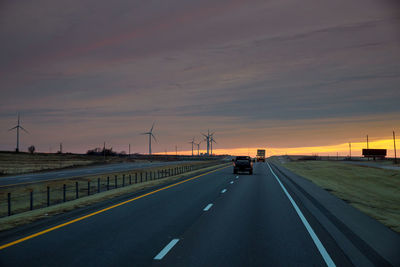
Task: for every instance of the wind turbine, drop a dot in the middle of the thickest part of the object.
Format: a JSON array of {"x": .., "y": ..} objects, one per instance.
[
  {"x": 150, "y": 133},
  {"x": 198, "y": 148},
  {"x": 193, "y": 143},
  {"x": 211, "y": 142},
  {"x": 18, "y": 127},
  {"x": 207, "y": 138}
]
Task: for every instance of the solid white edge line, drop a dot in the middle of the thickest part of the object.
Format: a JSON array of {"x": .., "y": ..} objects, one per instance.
[
  {"x": 166, "y": 249},
  {"x": 223, "y": 191},
  {"x": 325, "y": 255},
  {"x": 208, "y": 207}
]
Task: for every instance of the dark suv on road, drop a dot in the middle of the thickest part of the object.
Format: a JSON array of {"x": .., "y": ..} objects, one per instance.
[{"x": 242, "y": 164}]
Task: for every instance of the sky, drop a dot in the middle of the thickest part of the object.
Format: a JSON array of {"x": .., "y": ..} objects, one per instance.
[{"x": 289, "y": 76}]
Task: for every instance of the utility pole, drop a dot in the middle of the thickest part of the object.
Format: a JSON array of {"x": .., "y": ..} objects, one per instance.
[
  {"x": 129, "y": 153},
  {"x": 367, "y": 146},
  {"x": 176, "y": 150},
  {"x": 394, "y": 143},
  {"x": 350, "y": 149},
  {"x": 60, "y": 148}
]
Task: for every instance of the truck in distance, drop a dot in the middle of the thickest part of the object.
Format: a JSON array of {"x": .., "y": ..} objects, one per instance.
[
  {"x": 260, "y": 155},
  {"x": 242, "y": 164}
]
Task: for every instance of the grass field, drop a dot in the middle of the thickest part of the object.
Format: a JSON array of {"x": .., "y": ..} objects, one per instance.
[
  {"x": 17, "y": 163},
  {"x": 373, "y": 191}
]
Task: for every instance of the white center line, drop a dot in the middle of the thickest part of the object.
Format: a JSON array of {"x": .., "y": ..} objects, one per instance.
[
  {"x": 165, "y": 250},
  {"x": 208, "y": 207},
  {"x": 231, "y": 182},
  {"x": 328, "y": 260},
  {"x": 223, "y": 191}
]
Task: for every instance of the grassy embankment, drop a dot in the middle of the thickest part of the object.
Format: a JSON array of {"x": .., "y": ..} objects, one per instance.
[
  {"x": 21, "y": 202},
  {"x": 373, "y": 191}
]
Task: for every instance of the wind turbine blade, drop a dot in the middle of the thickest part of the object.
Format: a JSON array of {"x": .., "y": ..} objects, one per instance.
[
  {"x": 13, "y": 128},
  {"x": 151, "y": 130},
  {"x": 145, "y": 133},
  {"x": 23, "y": 129},
  {"x": 154, "y": 138}
]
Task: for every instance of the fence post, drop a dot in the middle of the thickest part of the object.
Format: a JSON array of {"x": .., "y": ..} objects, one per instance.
[
  {"x": 64, "y": 189},
  {"x": 76, "y": 190},
  {"x": 151, "y": 176},
  {"x": 31, "y": 200},
  {"x": 98, "y": 185},
  {"x": 9, "y": 203},
  {"x": 130, "y": 179},
  {"x": 88, "y": 187},
  {"x": 48, "y": 196},
  {"x": 123, "y": 180},
  {"x": 141, "y": 177},
  {"x": 135, "y": 177},
  {"x": 108, "y": 183},
  {"x": 115, "y": 181}
]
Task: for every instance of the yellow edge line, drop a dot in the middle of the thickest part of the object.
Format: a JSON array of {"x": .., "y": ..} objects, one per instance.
[{"x": 100, "y": 211}]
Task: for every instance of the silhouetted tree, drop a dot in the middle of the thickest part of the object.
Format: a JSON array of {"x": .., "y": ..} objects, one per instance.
[{"x": 31, "y": 149}]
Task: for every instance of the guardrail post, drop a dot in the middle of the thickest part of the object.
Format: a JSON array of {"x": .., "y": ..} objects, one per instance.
[
  {"x": 9, "y": 203},
  {"x": 115, "y": 181},
  {"x": 88, "y": 187},
  {"x": 64, "y": 189},
  {"x": 123, "y": 180},
  {"x": 76, "y": 190},
  {"x": 31, "y": 200},
  {"x": 48, "y": 196},
  {"x": 108, "y": 183},
  {"x": 98, "y": 185}
]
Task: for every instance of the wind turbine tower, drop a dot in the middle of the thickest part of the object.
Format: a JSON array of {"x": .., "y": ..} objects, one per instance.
[
  {"x": 207, "y": 139},
  {"x": 150, "y": 133},
  {"x": 212, "y": 140},
  {"x": 198, "y": 148},
  {"x": 193, "y": 143},
  {"x": 18, "y": 127}
]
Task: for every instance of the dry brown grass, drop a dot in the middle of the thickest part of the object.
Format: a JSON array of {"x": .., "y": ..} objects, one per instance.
[{"x": 373, "y": 191}]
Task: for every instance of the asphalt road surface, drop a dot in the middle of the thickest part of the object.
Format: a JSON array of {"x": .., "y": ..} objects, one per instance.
[
  {"x": 216, "y": 219},
  {"x": 89, "y": 170}
]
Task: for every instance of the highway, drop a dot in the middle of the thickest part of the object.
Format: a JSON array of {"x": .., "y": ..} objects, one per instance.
[
  {"x": 214, "y": 219},
  {"x": 80, "y": 171}
]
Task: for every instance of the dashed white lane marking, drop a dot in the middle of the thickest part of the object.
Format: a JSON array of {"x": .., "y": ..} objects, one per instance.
[
  {"x": 223, "y": 191},
  {"x": 237, "y": 177},
  {"x": 328, "y": 260},
  {"x": 231, "y": 182},
  {"x": 166, "y": 249},
  {"x": 208, "y": 207}
]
